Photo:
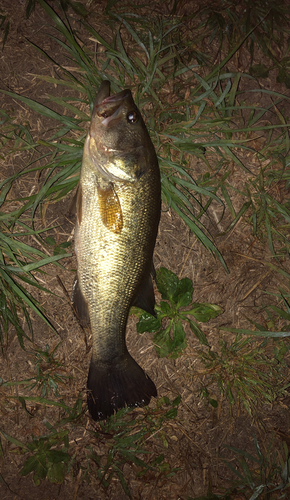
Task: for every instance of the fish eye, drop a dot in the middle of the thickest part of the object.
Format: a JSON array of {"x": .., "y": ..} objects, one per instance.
[{"x": 132, "y": 117}]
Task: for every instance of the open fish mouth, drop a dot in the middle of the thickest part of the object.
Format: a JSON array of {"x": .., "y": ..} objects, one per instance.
[
  {"x": 108, "y": 112},
  {"x": 108, "y": 106},
  {"x": 117, "y": 97}
]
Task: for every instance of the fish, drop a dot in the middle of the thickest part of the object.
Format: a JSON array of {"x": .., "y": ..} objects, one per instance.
[{"x": 118, "y": 205}]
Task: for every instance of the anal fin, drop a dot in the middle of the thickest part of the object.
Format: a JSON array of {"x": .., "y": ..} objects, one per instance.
[
  {"x": 80, "y": 305},
  {"x": 145, "y": 299}
]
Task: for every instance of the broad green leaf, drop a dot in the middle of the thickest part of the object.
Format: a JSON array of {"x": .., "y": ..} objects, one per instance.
[
  {"x": 179, "y": 340},
  {"x": 165, "y": 308},
  {"x": 183, "y": 294},
  {"x": 204, "y": 312},
  {"x": 163, "y": 342},
  {"x": 147, "y": 323},
  {"x": 167, "y": 283},
  {"x": 56, "y": 456},
  {"x": 172, "y": 413},
  {"x": 176, "y": 401},
  {"x": 30, "y": 465},
  {"x": 259, "y": 71},
  {"x": 56, "y": 473}
]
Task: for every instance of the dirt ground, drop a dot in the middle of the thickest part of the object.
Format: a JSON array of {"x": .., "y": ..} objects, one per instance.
[{"x": 195, "y": 441}]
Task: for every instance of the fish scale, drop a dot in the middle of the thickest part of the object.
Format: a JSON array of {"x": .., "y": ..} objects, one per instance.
[{"x": 117, "y": 223}]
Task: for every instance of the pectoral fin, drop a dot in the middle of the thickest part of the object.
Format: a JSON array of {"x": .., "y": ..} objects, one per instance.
[{"x": 110, "y": 208}]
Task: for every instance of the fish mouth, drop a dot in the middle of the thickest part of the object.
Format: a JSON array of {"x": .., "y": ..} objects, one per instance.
[
  {"x": 107, "y": 112},
  {"x": 117, "y": 97},
  {"x": 109, "y": 106}
]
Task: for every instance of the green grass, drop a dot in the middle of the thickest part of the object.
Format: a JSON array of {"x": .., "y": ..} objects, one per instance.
[
  {"x": 18, "y": 261},
  {"x": 203, "y": 121},
  {"x": 252, "y": 369},
  {"x": 266, "y": 25}
]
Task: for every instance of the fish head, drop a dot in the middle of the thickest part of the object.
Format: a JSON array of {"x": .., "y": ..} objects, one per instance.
[{"x": 118, "y": 143}]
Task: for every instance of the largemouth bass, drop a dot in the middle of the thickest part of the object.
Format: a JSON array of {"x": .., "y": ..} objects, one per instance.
[{"x": 118, "y": 210}]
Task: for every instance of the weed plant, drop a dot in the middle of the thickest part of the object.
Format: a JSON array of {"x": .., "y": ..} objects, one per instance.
[
  {"x": 50, "y": 372},
  {"x": 122, "y": 440},
  {"x": 264, "y": 475},
  {"x": 245, "y": 373},
  {"x": 251, "y": 371},
  {"x": 171, "y": 340},
  {"x": 18, "y": 260}
]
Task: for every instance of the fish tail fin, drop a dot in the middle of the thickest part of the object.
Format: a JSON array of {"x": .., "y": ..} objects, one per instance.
[{"x": 114, "y": 386}]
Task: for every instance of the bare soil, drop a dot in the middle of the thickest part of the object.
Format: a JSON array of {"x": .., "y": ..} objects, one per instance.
[{"x": 195, "y": 441}]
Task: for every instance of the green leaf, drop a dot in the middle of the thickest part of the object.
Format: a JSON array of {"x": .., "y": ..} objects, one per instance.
[
  {"x": 43, "y": 110},
  {"x": 176, "y": 401},
  {"x": 37, "y": 465},
  {"x": 204, "y": 312},
  {"x": 56, "y": 456},
  {"x": 110, "y": 4},
  {"x": 170, "y": 341},
  {"x": 30, "y": 465},
  {"x": 183, "y": 294},
  {"x": 172, "y": 413},
  {"x": 50, "y": 241},
  {"x": 179, "y": 340},
  {"x": 259, "y": 71},
  {"x": 283, "y": 77},
  {"x": 6, "y": 32},
  {"x": 163, "y": 342},
  {"x": 147, "y": 323},
  {"x": 30, "y": 6},
  {"x": 213, "y": 402},
  {"x": 165, "y": 308},
  {"x": 79, "y": 9},
  {"x": 14, "y": 441},
  {"x": 167, "y": 283},
  {"x": 257, "y": 333},
  {"x": 197, "y": 332},
  {"x": 56, "y": 473}
]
